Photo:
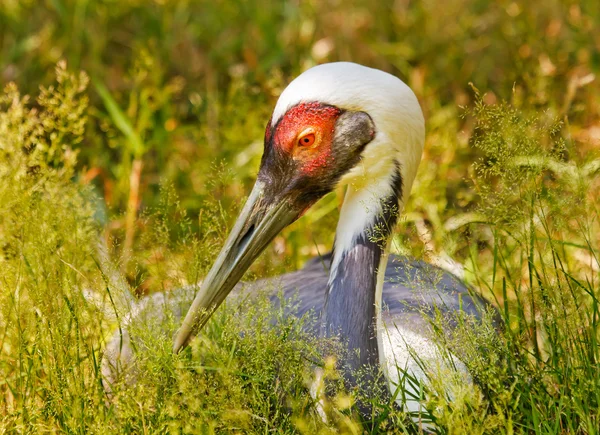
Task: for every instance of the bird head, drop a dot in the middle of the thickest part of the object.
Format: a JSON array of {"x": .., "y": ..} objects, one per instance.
[{"x": 337, "y": 123}]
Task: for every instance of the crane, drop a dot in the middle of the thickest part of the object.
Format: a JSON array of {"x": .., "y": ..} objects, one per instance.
[{"x": 338, "y": 124}]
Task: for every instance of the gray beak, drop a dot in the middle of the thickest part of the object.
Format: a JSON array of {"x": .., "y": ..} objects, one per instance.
[{"x": 257, "y": 225}]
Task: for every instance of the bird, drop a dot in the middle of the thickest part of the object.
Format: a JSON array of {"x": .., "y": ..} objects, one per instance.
[{"x": 336, "y": 124}]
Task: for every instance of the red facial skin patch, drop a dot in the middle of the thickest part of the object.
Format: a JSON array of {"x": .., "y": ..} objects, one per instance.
[{"x": 315, "y": 118}]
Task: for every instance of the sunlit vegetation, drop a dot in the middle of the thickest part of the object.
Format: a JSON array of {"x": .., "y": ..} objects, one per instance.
[{"x": 143, "y": 130}]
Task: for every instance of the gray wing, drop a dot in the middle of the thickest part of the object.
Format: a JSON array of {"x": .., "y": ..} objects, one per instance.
[{"x": 411, "y": 288}]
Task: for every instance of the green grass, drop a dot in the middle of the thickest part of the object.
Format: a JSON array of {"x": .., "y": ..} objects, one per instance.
[{"x": 167, "y": 131}]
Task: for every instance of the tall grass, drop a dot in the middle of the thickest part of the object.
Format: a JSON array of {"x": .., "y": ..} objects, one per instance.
[
  {"x": 540, "y": 375},
  {"x": 49, "y": 334}
]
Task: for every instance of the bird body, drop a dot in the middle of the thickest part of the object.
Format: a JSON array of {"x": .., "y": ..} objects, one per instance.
[{"x": 412, "y": 291}]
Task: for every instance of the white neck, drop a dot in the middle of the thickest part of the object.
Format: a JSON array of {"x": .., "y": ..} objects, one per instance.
[{"x": 360, "y": 209}]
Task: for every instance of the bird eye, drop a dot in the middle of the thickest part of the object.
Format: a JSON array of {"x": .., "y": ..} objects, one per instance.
[{"x": 306, "y": 140}]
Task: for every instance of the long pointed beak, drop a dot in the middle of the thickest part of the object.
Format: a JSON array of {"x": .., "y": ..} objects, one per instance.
[{"x": 258, "y": 223}]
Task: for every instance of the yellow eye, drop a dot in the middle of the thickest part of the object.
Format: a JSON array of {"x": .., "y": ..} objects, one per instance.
[{"x": 306, "y": 140}]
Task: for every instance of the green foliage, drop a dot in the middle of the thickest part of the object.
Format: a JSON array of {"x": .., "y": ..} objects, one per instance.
[
  {"x": 248, "y": 372},
  {"x": 541, "y": 375},
  {"x": 47, "y": 236}
]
